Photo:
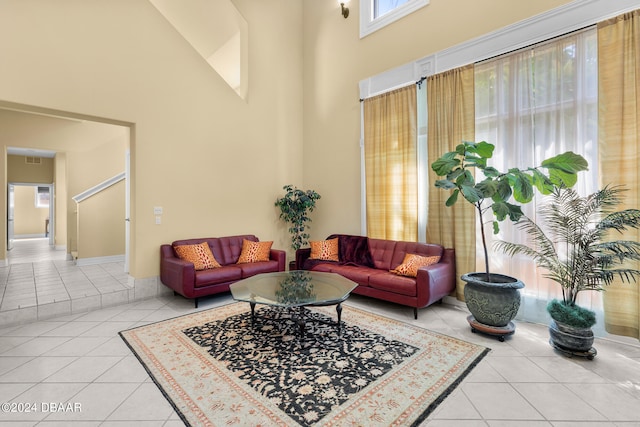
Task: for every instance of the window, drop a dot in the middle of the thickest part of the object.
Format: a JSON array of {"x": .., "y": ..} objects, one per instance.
[
  {"x": 376, "y": 14},
  {"x": 533, "y": 104},
  {"x": 381, "y": 7},
  {"x": 42, "y": 197}
]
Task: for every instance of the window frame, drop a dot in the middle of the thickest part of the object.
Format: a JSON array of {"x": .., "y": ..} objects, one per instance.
[
  {"x": 369, "y": 25},
  {"x": 39, "y": 196}
]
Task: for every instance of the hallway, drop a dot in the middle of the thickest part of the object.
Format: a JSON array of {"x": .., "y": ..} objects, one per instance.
[{"x": 39, "y": 283}]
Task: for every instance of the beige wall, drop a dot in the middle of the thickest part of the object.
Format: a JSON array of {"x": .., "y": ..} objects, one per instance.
[
  {"x": 336, "y": 60},
  {"x": 28, "y": 219},
  {"x": 213, "y": 161},
  {"x": 21, "y": 171},
  {"x": 101, "y": 223},
  {"x": 85, "y": 170}
]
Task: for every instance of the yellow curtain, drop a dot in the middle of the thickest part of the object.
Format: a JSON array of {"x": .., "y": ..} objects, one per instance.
[
  {"x": 619, "y": 146},
  {"x": 451, "y": 120},
  {"x": 391, "y": 165}
]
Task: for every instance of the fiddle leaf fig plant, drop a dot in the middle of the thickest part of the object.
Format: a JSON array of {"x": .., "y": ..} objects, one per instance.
[
  {"x": 494, "y": 190},
  {"x": 295, "y": 207}
]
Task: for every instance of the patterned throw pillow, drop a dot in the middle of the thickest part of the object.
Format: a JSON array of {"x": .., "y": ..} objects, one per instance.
[
  {"x": 200, "y": 255},
  {"x": 254, "y": 251},
  {"x": 326, "y": 250},
  {"x": 412, "y": 263}
]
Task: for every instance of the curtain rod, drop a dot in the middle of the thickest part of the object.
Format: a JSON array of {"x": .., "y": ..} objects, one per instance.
[{"x": 418, "y": 83}]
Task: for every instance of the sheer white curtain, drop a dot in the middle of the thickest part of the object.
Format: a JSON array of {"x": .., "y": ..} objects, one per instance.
[{"x": 533, "y": 104}]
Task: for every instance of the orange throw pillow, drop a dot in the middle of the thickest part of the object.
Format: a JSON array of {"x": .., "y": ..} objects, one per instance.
[
  {"x": 326, "y": 250},
  {"x": 200, "y": 255},
  {"x": 254, "y": 251},
  {"x": 412, "y": 263}
]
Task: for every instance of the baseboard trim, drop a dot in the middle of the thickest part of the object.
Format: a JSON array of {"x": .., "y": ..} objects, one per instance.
[{"x": 99, "y": 260}]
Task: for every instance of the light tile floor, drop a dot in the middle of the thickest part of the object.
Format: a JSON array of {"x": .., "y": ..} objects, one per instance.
[
  {"x": 80, "y": 359},
  {"x": 38, "y": 282}
]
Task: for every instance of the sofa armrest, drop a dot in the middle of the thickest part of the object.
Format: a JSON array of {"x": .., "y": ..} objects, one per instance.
[
  {"x": 176, "y": 273},
  {"x": 280, "y": 256},
  {"x": 301, "y": 256},
  {"x": 437, "y": 280}
]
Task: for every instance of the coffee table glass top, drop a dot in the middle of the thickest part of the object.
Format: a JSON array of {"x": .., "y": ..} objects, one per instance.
[{"x": 293, "y": 288}]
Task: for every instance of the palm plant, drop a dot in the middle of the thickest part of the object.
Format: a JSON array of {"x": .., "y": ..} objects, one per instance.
[{"x": 577, "y": 251}]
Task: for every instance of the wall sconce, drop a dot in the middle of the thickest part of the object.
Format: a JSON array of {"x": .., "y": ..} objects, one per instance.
[{"x": 345, "y": 10}]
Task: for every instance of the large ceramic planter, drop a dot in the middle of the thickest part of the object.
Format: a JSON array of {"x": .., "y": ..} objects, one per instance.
[
  {"x": 569, "y": 338},
  {"x": 493, "y": 303}
]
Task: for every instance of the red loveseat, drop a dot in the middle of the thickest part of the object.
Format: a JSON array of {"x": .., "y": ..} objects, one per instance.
[
  {"x": 184, "y": 279},
  {"x": 368, "y": 262}
]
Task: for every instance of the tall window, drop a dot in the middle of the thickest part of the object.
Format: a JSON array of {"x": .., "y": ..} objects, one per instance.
[{"x": 533, "y": 104}]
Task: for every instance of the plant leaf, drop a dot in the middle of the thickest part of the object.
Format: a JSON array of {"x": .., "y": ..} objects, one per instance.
[
  {"x": 503, "y": 190},
  {"x": 522, "y": 188},
  {"x": 562, "y": 179},
  {"x": 485, "y": 149},
  {"x": 568, "y": 162},
  {"x": 445, "y": 184},
  {"x": 542, "y": 182},
  {"x": 488, "y": 188},
  {"x": 470, "y": 193},
  {"x": 445, "y": 164},
  {"x": 491, "y": 172},
  {"x": 453, "y": 198}
]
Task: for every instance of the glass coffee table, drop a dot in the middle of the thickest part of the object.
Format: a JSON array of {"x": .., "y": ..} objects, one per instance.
[{"x": 294, "y": 290}]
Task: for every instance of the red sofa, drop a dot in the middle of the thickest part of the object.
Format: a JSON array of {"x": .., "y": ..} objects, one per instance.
[
  {"x": 184, "y": 279},
  {"x": 368, "y": 262}
]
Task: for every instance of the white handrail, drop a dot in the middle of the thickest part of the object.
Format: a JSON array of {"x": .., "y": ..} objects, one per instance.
[{"x": 98, "y": 188}]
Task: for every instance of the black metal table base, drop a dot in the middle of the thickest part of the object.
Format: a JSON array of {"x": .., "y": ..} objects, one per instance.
[{"x": 298, "y": 315}]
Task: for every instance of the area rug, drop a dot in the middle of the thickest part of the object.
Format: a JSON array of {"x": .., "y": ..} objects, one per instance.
[{"x": 217, "y": 368}]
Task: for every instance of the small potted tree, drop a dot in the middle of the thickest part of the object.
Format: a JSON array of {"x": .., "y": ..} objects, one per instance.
[
  {"x": 494, "y": 299},
  {"x": 575, "y": 248},
  {"x": 295, "y": 207}
]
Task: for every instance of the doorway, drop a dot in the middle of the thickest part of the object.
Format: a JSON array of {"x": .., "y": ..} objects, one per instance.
[
  {"x": 31, "y": 223},
  {"x": 86, "y": 151}
]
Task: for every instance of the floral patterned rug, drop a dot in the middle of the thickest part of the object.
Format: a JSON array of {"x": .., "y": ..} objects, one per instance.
[{"x": 216, "y": 367}]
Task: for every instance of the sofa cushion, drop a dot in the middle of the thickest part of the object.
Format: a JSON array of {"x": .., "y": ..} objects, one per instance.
[
  {"x": 223, "y": 274},
  {"x": 198, "y": 254},
  {"x": 403, "y": 248},
  {"x": 360, "y": 275},
  {"x": 253, "y": 268},
  {"x": 319, "y": 265},
  {"x": 390, "y": 282},
  {"x": 412, "y": 263},
  {"x": 254, "y": 251},
  {"x": 326, "y": 250},
  {"x": 230, "y": 247},
  {"x": 382, "y": 253}
]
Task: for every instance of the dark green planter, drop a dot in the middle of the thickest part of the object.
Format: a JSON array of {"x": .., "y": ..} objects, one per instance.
[
  {"x": 570, "y": 338},
  {"x": 493, "y": 303}
]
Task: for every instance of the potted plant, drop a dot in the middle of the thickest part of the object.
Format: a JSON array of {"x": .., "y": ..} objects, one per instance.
[
  {"x": 295, "y": 207},
  {"x": 576, "y": 249},
  {"x": 494, "y": 299}
]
